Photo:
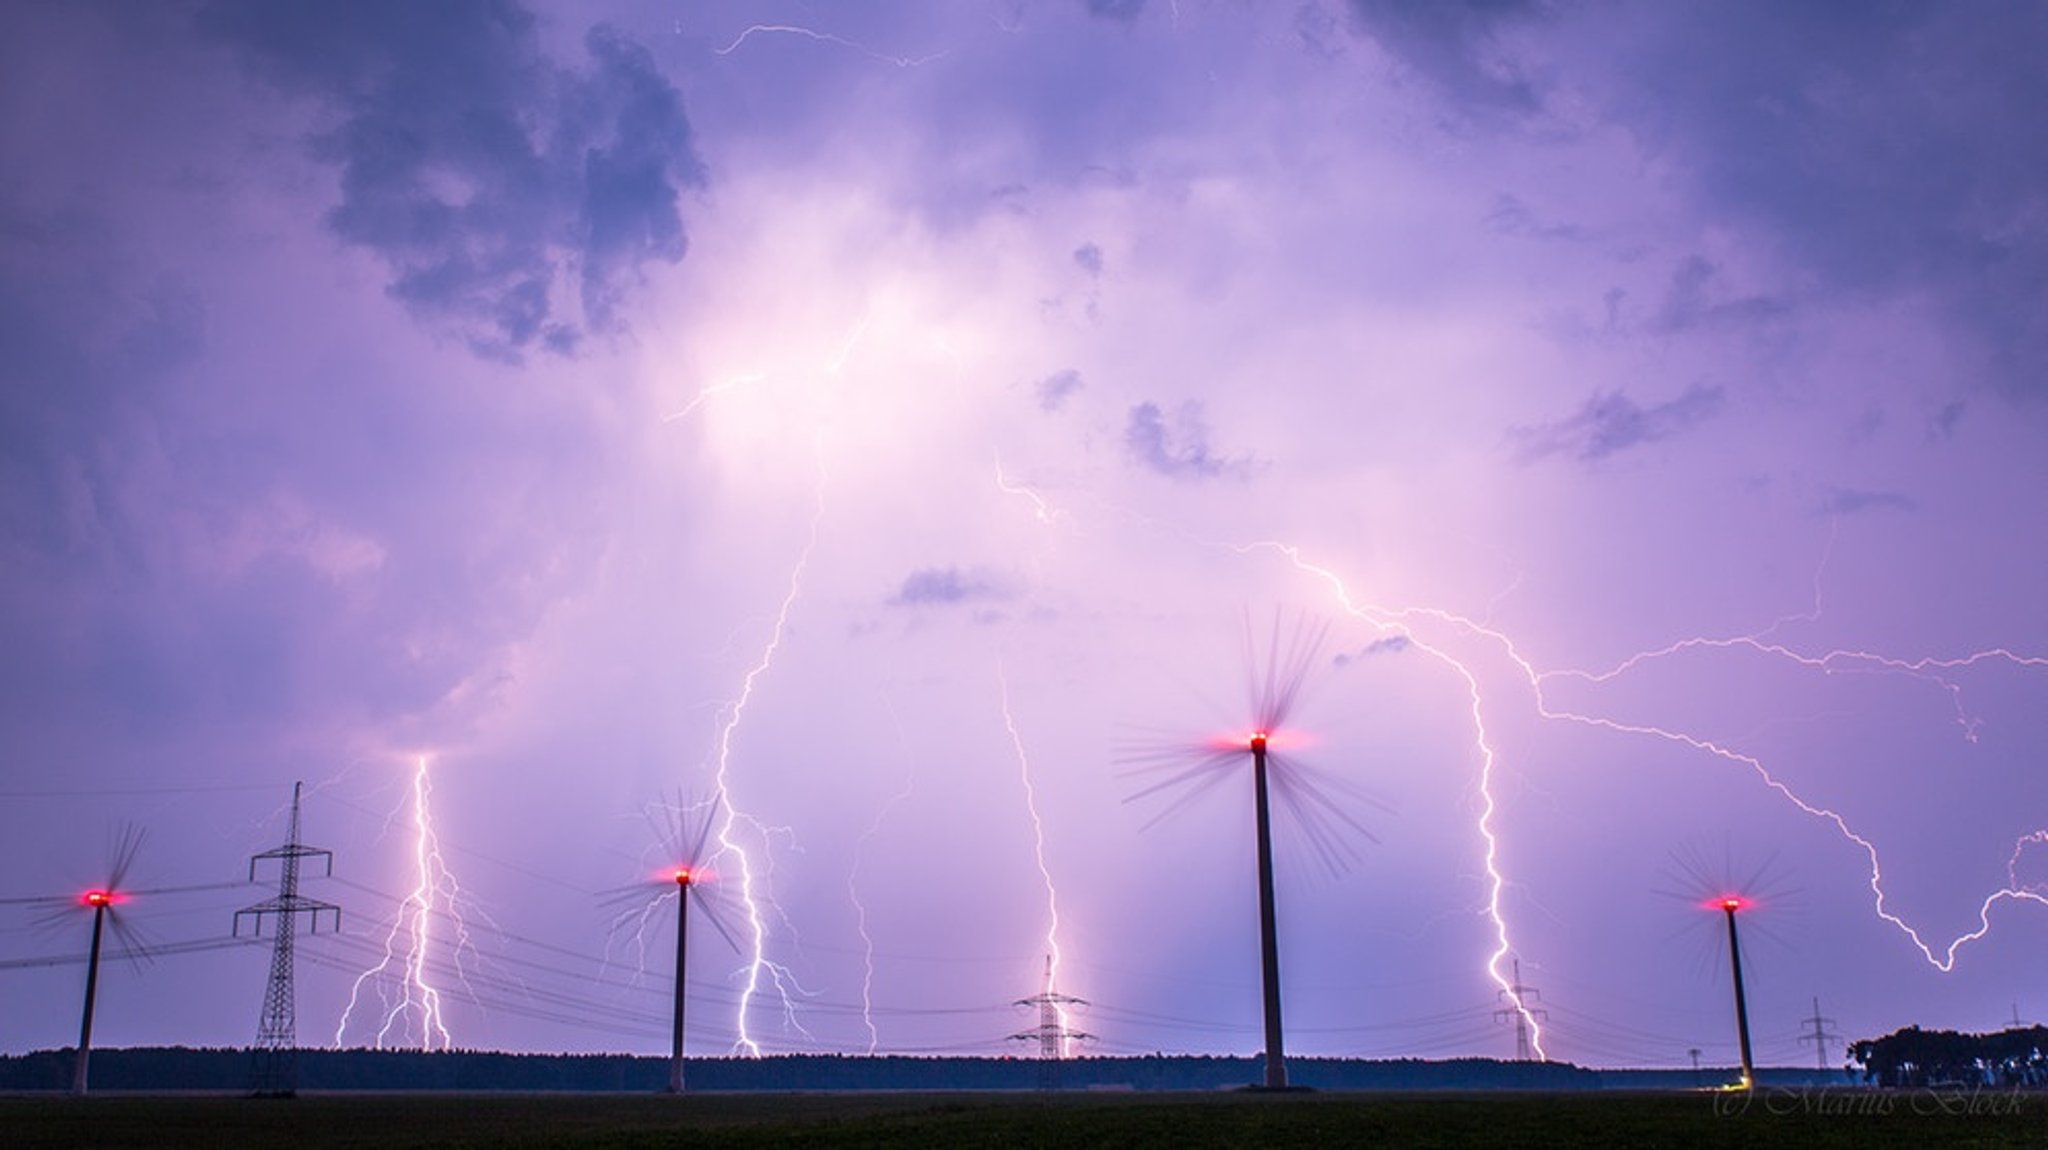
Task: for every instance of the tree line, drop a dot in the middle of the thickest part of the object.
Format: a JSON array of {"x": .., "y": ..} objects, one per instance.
[{"x": 1916, "y": 1057}]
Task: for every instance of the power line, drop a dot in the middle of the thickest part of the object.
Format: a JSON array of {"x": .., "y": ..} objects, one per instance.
[
  {"x": 133, "y": 953},
  {"x": 87, "y": 794}
]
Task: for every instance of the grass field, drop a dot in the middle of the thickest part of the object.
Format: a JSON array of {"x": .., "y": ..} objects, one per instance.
[{"x": 1864, "y": 1121}]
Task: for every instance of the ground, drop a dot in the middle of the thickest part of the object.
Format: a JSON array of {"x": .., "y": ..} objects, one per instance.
[{"x": 1864, "y": 1120}]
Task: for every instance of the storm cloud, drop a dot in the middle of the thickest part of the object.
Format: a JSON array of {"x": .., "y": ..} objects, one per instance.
[
  {"x": 891, "y": 438},
  {"x": 514, "y": 199},
  {"x": 1178, "y": 446},
  {"x": 1611, "y": 423}
]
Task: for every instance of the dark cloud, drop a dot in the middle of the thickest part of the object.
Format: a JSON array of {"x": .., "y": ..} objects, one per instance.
[
  {"x": 1611, "y": 422},
  {"x": 1054, "y": 390},
  {"x": 1511, "y": 217},
  {"x": 1088, "y": 257},
  {"x": 340, "y": 538},
  {"x": 1874, "y": 144},
  {"x": 1089, "y": 126},
  {"x": 1122, "y": 11},
  {"x": 1178, "y": 448},
  {"x": 1691, "y": 302},
  {"x": 1454, "y": 45},
  {"x": 1845, "y": 501},
  {"x": 1943, "y": 423},
  {"x": 91, "y": 341},
  {"x": 1391, "y": 645},
  {"x": 944, "y": 587},
  {"x": 1319, "y": 31},
  {"x": 492, "y": 181}
]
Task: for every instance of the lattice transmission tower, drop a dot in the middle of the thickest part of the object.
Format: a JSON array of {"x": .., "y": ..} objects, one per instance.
[
  {"x": 1052, "y": 1034},
  {"x": 275, "y": 1073},
  {"x": 1518, "y": 996},
  {"x": 1819, "y": 1034}
]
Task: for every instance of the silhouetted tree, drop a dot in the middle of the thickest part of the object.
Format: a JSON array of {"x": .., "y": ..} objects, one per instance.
[{"x": 1916, "y": 1057}]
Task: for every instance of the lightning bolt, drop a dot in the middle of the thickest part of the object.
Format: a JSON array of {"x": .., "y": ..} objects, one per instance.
[
  {"x": 860, "y": 910},
  {"x": 1398, "y": 620},
  {"x": 756, "y": 929},
  {"x": 734, "y": 822},
  {"x": 411, "y": 938},
  {"x": 719, "y": 388},
  {"x": 825, "y": 38},
  {"x": 1041, "y": 510},
  {"x": 1052, "y": 897},
  {"x": 2012, "y": 866},
  {"x": 747, "y": 379},
  {"x": 1391, "y": 622},
  {"x": 852, "y": 341},
  {"x": 1832, "y": 662},
  {"x": 1944, "y": 962}
]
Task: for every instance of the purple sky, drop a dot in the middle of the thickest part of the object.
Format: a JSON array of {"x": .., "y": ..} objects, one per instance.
[{"x": 519, "y": 388}]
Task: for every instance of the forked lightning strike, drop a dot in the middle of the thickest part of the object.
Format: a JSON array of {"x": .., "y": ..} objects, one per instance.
[
  {"x": 860, "y": 913},
  {"x": 752, "y": 874},
  {"x": 1830, "y": 663},
  {"x": 1054, "y": 955},
  {"x": 719, "y": 388},
  {"x": 1043, "y": 511},
  {"x": 823, "y": 38},
  {"x": 1496, "y": 882},
  {"x": 415, "y": 1000},
  {"x": 756, "y": 927},
  {"x": 747, "y": 379},
  {"x": 1396, "y": 620}
]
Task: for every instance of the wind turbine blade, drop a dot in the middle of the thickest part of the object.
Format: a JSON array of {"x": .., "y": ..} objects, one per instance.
[
  {"x": 696, "y": 855},
  {"x": 711, "y": 914}
]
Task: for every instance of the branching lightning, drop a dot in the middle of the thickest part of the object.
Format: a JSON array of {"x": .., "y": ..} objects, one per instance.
[
  {"x": 2036, "y": 890},
  {"x": 1043, "y": 511},
  {"x": 756, "y": 924},
  {"x": 733, "y": 821},
  {"x": 748, "y": 379},
  {"x": 860, "y": 910},
  {"x": 1391, "y": 622},
  {"x": 1398, "y": 620},
  {"x": 1832, "y": 662},
  {"x": 719, "y": 388},
  {"x": 411, "y": 1004},
  {"x": 824, "y": 38},
  {"x": 1052, "y": 897}
]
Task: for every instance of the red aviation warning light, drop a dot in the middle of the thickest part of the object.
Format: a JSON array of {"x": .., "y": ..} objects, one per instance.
[
  {"x": 682, "y": 876},
  {"x": 1258, "y": 742},
  {"x": 1730, "y": 903},
  {"x": 98, "y": 898}
]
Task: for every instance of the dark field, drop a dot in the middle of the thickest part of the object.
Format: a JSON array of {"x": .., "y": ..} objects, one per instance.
[{"x": 1863, "y": 1121}]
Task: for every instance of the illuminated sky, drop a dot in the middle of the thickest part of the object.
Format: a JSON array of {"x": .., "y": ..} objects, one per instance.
[{"x": 902, "y": 412}]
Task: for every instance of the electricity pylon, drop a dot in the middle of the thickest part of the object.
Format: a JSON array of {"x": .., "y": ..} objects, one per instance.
[{"x": 276, "y": 1070}]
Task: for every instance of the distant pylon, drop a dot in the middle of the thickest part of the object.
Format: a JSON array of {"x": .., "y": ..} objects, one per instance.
[
  {"x": 1051, "y": 1034},
  {"x": 276, "y": 1070},
  {"x": 1520, "y": 1012},
  {"x": 1821, "y": 1036}
]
